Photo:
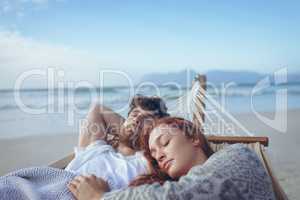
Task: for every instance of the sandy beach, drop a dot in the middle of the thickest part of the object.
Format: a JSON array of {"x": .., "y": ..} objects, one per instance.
[
  {"x": 34, "y": 150},
  {"x": 285, "y": 159}
]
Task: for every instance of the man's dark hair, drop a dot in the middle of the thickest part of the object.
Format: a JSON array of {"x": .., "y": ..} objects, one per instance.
[{"x": 149, "y": 103}]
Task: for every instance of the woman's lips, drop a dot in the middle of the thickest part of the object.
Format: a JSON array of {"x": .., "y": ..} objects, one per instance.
[{"x": 167, "y": 164}]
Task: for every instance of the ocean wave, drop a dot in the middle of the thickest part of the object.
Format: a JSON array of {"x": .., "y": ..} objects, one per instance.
[
  {"x": 14, "y": 106},
  {"x": 8, "y": 107},
  {"x": 79, "y": 89},
  {"x": 294, "y": 92},
  {"x": 171, "y": 97},
  {"x": 118, "y": 96}
]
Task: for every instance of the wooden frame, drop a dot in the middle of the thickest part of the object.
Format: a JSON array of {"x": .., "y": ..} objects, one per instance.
[{"x": 238, "y": 139}]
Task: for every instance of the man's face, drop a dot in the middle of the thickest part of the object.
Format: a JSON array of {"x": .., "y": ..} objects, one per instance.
[{"x": 136, "y": 116}]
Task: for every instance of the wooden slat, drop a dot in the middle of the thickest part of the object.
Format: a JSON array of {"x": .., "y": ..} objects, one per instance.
[
  {"x": 62, "y": 163},
  {"x": 238, "y": 139},
  {"x": 279, "y": 192}
]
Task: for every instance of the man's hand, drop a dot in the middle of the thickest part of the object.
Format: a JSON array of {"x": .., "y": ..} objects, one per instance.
[{"x": 88, "y": 187}]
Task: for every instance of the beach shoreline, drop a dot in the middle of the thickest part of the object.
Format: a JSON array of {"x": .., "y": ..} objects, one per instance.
[
  {"x": 37, "y": 150},
  {"x": 40, "y": 150}
]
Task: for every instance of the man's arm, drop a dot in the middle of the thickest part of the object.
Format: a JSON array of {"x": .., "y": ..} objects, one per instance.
[{"x": 98, "y": 121}]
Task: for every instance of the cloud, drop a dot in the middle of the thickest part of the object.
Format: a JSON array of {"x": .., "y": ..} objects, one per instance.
[
  {"x": 20, "y": 54},
  {"x": 19, "y": 7},
  {"x": 19, "y": 51},
  {"x": 36, "y": 1}
]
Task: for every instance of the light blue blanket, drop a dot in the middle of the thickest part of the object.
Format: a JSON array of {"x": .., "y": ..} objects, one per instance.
[{"x": 36, "y": 183}]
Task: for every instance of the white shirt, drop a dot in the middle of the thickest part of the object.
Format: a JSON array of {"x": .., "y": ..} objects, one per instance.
[{"x": 103, "y": 161}]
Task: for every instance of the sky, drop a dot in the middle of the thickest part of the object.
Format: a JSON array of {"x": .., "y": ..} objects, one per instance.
[{"x": 82, "y": 38}]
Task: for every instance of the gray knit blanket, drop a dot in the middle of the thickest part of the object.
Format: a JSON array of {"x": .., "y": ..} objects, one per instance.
[
  {"x": 234, "y": 173},
  {"x": 44, "y": 183}
]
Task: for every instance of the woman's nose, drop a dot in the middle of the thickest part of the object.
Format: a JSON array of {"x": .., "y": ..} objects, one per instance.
[{"x": 160, "y": 156}]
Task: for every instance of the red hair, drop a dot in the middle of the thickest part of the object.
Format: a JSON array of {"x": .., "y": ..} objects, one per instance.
[{"x": 189, "y": 129}]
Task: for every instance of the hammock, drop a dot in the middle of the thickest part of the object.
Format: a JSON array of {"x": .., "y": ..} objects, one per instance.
[{"x": 196, "y": 101}]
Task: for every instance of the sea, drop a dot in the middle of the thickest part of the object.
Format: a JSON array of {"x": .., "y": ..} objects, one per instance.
[{"x": 41, "y": 111}]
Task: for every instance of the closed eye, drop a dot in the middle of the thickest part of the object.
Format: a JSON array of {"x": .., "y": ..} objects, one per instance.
[
  {"x": 166, "y": 143},
  {"x": 134, "y": 114}
]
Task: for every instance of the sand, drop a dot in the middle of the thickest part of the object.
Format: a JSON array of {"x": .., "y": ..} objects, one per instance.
[
  {"x": 34, "y": 150},
  {"x": 283, "y": 149}
]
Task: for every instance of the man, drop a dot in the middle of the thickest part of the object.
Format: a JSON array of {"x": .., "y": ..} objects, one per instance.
[
  {"x": 108, "y": 146},
  {"x": 103, "y": 123}
]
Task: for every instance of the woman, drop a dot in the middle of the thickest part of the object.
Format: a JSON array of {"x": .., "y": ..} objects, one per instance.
[{"x": 160, "y": 143}]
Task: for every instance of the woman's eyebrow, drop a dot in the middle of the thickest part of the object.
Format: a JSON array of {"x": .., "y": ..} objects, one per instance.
[
  {"x": 158, "y": 139},
  {"x": 155, "y": 141}
]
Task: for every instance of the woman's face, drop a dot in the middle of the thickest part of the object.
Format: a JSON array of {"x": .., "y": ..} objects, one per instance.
[{"x": 175, "y": 153}]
